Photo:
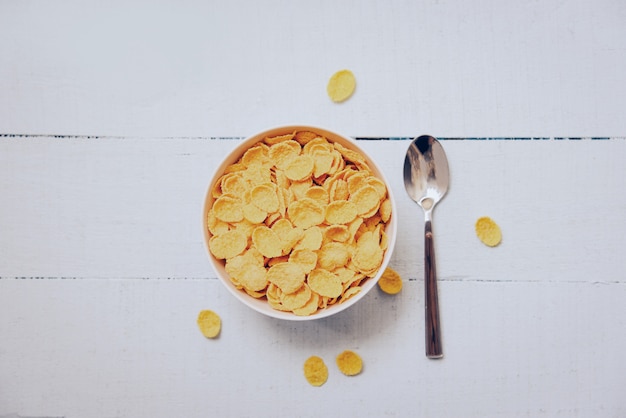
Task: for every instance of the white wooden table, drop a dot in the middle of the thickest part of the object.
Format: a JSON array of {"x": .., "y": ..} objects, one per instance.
[{"x": 113, "y": 117}]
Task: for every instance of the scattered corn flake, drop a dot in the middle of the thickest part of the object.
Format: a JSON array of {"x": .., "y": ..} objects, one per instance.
[
  {"x": 341, "y": 85},
  {"x": 209, "y": 323},
  {"x": 390, "y": 282},
  {"x": 488, "y": 231},
  {"x": 349, "y": 363},
  {"x": 315, "y": 371}
]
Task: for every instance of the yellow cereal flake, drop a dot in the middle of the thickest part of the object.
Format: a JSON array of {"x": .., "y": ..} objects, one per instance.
[
  {"x": 267, "y": 242},
  {"x": 318, "y": 194},
  {"x": 385, "y": 210},
  {"x": 264, "y": 197},
  {"x": 310, "y": 307},
  {"x": 378, "y": 184},
  {"x": 315, "y": 371},
  {"x": 365, "y": 199},
  {"x": 323, "y": 162},
  {"x": 368, "y": 255},
  {"x": 281, "y": 154},
  {"x": 390, "y": 282},
  {"x": 349, "y": 363},
  {"x": 289, "y": 277},
  {"x": 339, "y": 190},
  {"x": 341, "y": 212},
  {"x": 304, "y": 137},
  {"x": 325, "y": 283},
  {"x": 306, "y": 259},
  {"x": 228, "y": 208},
  {"x": 279, "y": 138},
  {"x": 256, "y": 155},
  {"x": 296, "y": 299},
  {"x": 339, "y": 233},
  {"x": 214, "y": 225},
  {"x": 350, "y": 291},
  {"x": 253, "y": 214},
  {"x": 306, "y": 213},
  {"x": 209, "y": 323},
  {"x": 299, "y": 168},
  {"x": 311, "y": 240},
  {"x": 228, "y": 245},
  {"x": 333, "y": 255},
  {"x": 234, "y": 185},
  {"x": 341, "y": 85},
  {"x": 299, "y": 222},
  {"x": 488, "y": 231}
]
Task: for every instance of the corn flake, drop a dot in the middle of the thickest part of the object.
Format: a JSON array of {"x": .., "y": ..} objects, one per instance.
[
  {"x": 228, "y": 245},
  {"x": 315, "y": 371},
  {"x": 341, "y": 85},
  {"x": 228, "y": 208},
  {"x": 288, "y": 277},
  {"x": 325, "y": 283},
  {"x": 267, "y": 242},
  {"x": 264, "y": 197},
  {"x": 488, "y": 231},
  {"x": 349, "y": 363},
  {"x": 390, "y": 282},
  {"x": 209, "y": 323}
]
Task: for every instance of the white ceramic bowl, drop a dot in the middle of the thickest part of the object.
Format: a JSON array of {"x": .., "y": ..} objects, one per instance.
[{"x": 261, "y": 305}]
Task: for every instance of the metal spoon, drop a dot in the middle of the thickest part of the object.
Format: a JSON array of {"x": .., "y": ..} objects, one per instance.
[{"x": 426, "y": 179}]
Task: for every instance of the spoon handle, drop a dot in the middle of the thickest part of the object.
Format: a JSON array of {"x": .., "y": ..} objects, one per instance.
[{"x": 433, "y": 329}]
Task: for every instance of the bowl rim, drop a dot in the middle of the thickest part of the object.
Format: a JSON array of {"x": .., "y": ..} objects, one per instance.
[{"x": 261, "y": 305}]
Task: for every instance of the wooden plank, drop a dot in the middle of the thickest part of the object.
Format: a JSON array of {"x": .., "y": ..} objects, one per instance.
[
  {"x": 115, "y": 207},
  {"x": 97, "y": 348}
]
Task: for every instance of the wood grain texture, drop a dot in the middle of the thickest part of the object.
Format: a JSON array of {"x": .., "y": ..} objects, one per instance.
[
  {"x": 93, "y": 348},
  {"x": 448, "y": 68},
  {"x": 113, "y": 116},
  {"x": 107, "y": 234}
]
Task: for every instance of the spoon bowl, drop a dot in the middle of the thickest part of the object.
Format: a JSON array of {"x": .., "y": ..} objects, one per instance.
[{"x": 426, "y": 179}]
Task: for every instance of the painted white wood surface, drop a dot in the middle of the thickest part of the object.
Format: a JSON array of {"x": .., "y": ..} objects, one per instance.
[
  {"x": 112, "y": 226},
  {"x": 111, "y": 116}
]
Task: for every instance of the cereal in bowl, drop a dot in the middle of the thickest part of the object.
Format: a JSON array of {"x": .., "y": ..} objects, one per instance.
[{"x": 299, "y": 221}]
